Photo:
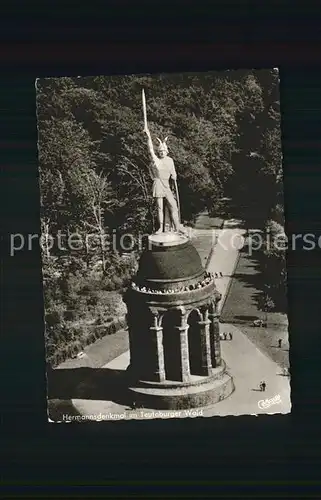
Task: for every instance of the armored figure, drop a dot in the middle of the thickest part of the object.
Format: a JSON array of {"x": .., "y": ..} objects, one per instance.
[{"x": 163, "y": 170}]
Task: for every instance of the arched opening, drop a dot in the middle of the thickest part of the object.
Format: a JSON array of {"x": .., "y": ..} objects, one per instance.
[
  {"x": 141, "y": 344},
  {"x": 195, "y": 343},
  {"x": 172, "y": 346}
]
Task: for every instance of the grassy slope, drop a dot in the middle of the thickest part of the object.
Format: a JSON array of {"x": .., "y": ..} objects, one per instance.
[{"x": 241, "y": 309}]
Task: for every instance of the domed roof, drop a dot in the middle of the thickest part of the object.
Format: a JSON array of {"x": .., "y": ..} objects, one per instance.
[{"x": 178, "y": 262}]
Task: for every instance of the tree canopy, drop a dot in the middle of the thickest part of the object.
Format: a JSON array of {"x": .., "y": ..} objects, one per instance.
[{"x": 224, "y": 136}]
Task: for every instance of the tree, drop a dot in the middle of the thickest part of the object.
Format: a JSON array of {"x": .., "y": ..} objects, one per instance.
[
  {"x": 94, "y": 166},
  {"x": 95, "y": 191},
  {"x": 274, "y": 263},
  {"x": 45, "y": 232},
  {"x": 257, "y": 180},
  {"x": 266, "y": 305},
  {"x": 223, "y": 133}
]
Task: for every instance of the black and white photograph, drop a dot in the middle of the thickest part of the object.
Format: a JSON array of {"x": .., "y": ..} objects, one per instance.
[{"x": 163, "y": 245}]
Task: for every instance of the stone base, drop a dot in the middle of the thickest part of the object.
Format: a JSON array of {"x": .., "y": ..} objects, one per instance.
[
  {"x": 166, "y": 239},
  {"x": 198, "y": 393}
]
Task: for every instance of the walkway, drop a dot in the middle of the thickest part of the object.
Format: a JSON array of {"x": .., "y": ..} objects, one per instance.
[{"x": 225, "y": 256}]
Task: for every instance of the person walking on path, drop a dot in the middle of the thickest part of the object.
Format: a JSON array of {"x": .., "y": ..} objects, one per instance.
[
  {"x": 280, "y": 343},
  {"x": 231, "y": 335},
  {"x": 225, "y": 335},
  {"x": 263, "y": 386}
]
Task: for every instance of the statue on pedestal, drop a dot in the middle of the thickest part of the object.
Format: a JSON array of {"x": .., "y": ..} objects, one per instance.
[
  {"x": 163, "y": 171},
  {"x": 173, "y": 321}
]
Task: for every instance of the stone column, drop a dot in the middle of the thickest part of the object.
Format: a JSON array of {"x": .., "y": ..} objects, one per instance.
[
  {"x": 131, "y": 344},
  {"x": 205, "y": 344},
  {"x": 134, "y": 358},
  {"x": 215, "y": 342},
  {"x": 156, "y": 332},
  {"x": 183, "y": 333}
]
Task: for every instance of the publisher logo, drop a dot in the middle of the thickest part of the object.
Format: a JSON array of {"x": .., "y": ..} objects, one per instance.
[{"x": 264, "y": 404}]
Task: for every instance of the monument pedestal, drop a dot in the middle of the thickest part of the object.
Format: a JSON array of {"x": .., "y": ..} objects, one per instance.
[
  {"x": 198, "y": 392},
  {"x": 173, "y": 324}
]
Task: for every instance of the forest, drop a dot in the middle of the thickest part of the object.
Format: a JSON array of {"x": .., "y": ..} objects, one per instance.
[{"x": 224, "y": 135}]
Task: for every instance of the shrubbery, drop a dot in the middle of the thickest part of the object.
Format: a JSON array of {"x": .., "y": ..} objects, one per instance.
[
  {"x": 273, "y": 265},
  {"x": 78, "y": 302}
]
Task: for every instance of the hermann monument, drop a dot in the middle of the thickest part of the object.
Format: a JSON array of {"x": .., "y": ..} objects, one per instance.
[{"x": 172, "y": 315}]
